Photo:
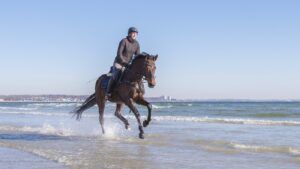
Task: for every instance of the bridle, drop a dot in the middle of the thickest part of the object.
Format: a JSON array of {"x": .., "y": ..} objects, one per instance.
[{"x": 143, "y": 75}]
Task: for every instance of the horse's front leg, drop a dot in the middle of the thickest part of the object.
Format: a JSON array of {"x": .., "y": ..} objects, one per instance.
[
  {"x": 143, "y": 102},
  {"x": 137, "y": 115},
  {"x": 119, "y": 115}
]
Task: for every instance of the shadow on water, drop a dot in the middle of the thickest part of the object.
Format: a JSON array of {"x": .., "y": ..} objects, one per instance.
[{"x": 31, "y": 137}]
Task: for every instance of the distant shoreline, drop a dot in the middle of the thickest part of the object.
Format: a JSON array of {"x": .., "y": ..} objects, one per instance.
[{"x": 60, "y": 98}]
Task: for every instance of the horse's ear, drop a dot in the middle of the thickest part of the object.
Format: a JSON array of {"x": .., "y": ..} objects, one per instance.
[{"x": 155, "y": 57}]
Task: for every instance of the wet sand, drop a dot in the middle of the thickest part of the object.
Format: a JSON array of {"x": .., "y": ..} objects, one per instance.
[{"x": 15, "y": 159}]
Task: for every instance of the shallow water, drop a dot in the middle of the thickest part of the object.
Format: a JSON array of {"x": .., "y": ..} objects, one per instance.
[
  {"x": 11, "y": 158},
  {"x": 181, "y": 135}
]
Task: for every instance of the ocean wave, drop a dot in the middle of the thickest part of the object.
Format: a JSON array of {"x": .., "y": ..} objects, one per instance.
[
  {"x": 45, "y": 129},
  {"x": 58, "y": 105},
  {"x": 17, "y": 108},
  {"x": 271, "y": 149},
  {"x": 53, "y": 104},
  {"x": 161, "y": 107},
  {"x": 263, "y": 115},
  {"x": 172, "y": 118},
  {"x": 113, "y": 130},
  {"x": 227, "y": 120},
  {"x": 229, "y": 146},
  {"x": 37, "y": 113},
  {"x": 60, "y": 114}
]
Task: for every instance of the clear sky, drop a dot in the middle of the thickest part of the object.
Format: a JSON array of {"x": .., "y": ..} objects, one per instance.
[{"x": 207, "y": 49}]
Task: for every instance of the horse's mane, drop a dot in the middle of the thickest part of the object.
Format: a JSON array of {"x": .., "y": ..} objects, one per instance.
[{"x": 141, "y": 56}]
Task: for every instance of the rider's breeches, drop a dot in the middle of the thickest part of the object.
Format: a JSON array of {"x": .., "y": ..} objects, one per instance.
[{"x": 117, "y": 69}]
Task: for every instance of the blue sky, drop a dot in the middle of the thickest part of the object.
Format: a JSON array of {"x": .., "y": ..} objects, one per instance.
[{"x": 207, "y": 49}]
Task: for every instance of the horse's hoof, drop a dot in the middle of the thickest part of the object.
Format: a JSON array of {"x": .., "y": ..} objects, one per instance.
[
  {"x": 127, "y": 127},
  {"x": 145, "y": 123},
  {"x": 141, "y": 135}
]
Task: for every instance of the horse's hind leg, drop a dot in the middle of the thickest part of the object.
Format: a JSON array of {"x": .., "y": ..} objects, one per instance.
[
  {"x": 101, "y": 106},
  {"x": 119, "y": 115}
]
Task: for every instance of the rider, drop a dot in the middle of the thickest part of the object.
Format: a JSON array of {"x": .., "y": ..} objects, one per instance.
[{"x": 128, "y": 47}]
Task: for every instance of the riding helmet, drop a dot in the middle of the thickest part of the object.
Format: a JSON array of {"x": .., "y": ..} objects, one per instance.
[{"x": 132, "y": 29}]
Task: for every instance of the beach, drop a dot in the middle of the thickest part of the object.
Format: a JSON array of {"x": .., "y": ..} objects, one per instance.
[{"x": 181, "y": 135}]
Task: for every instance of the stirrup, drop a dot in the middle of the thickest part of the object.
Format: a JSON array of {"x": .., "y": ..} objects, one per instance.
[{"x": 107, "y": 96}]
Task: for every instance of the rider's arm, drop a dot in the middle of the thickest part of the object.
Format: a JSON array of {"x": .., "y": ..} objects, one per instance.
[
  {"x": 138, "y": 49},
  {"x": 120, "y": 51}
]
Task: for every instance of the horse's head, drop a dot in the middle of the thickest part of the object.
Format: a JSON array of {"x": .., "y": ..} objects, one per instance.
[
  {"x": 144, "y": 64},
  {"x": 150, "y": 69}
]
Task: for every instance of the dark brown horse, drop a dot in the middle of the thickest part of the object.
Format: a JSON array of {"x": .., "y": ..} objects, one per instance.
[{"x": 127, "y": 91}]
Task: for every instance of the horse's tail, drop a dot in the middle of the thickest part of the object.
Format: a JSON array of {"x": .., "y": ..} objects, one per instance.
[{"x": 88, "y": 103}]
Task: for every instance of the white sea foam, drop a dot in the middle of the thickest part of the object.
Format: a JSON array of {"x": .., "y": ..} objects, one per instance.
[
  {"x": 261, "y": 148},
  {"x": 227, "y": 120},
  {"x": 112, "y": 130},
  {"x": 17, "y": 108},
  {"x": 62, "y": 104},
  {"x": 161, "y": 107},
  {"x": 53, "y": 104},
  {"x": 37, "y": 113},
  {"x": 225, "y": 146},
  {"x": 45, "y": 129}
]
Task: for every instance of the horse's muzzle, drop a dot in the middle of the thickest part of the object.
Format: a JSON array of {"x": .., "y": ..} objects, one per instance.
[{"x": 151, "y": 85}]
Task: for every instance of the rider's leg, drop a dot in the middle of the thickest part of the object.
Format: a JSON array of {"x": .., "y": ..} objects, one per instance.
[
  {"x": 109, "y": 85},
  {"x": 115, "y": 73}
]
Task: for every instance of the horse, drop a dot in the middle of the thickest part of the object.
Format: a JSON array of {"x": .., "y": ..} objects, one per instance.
[{"x": 128, "y": 91}]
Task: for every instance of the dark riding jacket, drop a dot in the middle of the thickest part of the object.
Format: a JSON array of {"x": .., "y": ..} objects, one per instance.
[{"x": 127, "y": 49}]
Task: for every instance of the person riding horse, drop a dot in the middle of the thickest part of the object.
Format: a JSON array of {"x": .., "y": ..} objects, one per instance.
[
  {"x": 130, "y": 89},
  {"x": 128, "y": 47}
]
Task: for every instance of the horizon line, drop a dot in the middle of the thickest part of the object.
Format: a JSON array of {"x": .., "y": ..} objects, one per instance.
[{"x": 172, "y": 98}]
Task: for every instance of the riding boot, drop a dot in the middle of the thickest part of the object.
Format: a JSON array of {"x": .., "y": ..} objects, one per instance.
[{"x": 109, "y": 86}]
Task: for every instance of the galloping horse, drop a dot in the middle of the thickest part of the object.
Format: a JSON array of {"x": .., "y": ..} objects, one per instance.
[{"x": 127, "y": 91}]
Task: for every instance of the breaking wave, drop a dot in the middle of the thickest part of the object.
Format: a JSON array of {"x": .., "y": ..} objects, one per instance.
[
  {"x": 38, "y": 113},
  {"x": 173, "y": 118},
  {"x": 227, "y": 120},
  {"x": 17, "y": 108},
  {"x": 229, "y": 146},
  {"x": 161, "y": 107},
  {"x": 272, "y": 149},
  {"x": 53, "y": 104},
  {"x": 45, "y": 129}
]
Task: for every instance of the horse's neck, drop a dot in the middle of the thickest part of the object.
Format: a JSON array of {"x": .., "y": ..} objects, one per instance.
[{"x": 133, "y": 74}]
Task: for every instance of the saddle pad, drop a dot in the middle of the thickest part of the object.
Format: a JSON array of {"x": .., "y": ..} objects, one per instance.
[{"x": 104, "y": 82}]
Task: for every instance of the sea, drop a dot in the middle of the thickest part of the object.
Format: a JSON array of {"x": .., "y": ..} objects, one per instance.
[{"x": 183, "y": 135}]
